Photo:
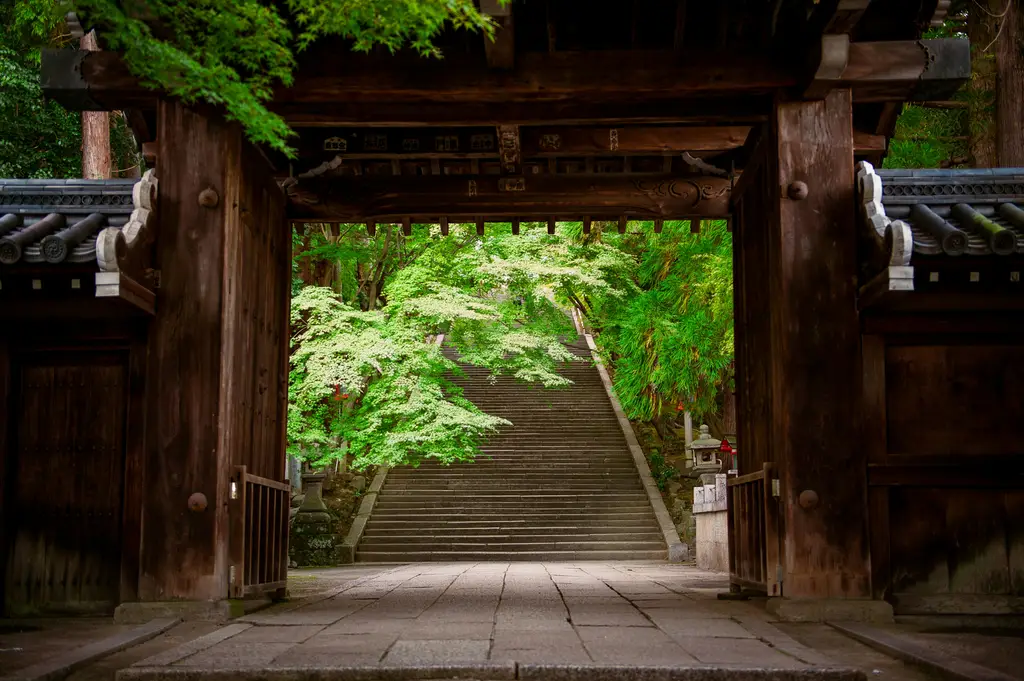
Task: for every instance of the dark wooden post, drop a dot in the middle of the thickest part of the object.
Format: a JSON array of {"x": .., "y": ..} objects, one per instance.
[
  {"x": 798, "y": 354},
  {"x": 217, "y": 375},
  {"x": 815, "y": 353}
]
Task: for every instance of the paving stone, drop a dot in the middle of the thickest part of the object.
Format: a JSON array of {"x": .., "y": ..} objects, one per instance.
[
  {"x": 632, "y": 645},
  {"x": 430, "y": 652},
  {"x": 678, "y": 625},
  {"x": 420, "y": 630},
  {"x": 736, "y": 651},
  {"x": 236, "y": 655},
  {"x": 275, "y": 634},
  {"x": 599, "y": 614},
  {"x": 365, "y": 625},
  {"x": 562, "y": 655}
]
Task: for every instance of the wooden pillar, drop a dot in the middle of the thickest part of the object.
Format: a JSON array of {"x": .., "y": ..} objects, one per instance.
[
  {"x": 182, "y": 555},
  {"x": 815, "y": 352},
  {"x": 798, "y": 360},
  {"x": 217, "y": 370}
]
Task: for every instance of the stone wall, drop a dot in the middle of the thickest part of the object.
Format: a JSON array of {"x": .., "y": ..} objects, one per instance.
[{"x": 710, "y": 510}]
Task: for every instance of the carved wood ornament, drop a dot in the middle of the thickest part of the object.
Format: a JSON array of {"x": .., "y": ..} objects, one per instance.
[
  {"x": 891, "y": 239},
  {"x": 122, "y": 254}
]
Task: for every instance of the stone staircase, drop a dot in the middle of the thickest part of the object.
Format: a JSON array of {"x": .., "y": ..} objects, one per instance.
[{"x": 560, "y": 484}]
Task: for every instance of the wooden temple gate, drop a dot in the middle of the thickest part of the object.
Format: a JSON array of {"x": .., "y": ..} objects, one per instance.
[{"x": 672, "y": 110}]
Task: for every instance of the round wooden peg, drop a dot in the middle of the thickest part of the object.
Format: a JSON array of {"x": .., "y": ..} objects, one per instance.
[
  {"x": 197, "y": 502},
  {"x": 808, "y": 499},
  {"x": 798, "y": 190},
  {"x": 208, "y": 198}
]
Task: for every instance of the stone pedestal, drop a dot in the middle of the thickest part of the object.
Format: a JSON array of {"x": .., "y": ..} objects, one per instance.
[{"x": 313, "y": 543}]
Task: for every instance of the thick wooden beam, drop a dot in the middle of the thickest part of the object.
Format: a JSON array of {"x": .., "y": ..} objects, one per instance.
[
  {"x": 357, "y": 199},
  {"x": 720, "y": 110},
  {"x": 580, "y": 141},
  {"x": 909, "y": 70},
  {"x": 876, "y": 71}
]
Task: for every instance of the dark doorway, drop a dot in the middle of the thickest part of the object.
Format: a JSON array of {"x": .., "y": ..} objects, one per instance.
[{"x": 65, "y": 482}]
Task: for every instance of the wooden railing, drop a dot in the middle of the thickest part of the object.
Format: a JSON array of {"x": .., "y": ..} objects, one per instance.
[
  {"x": 259, "y": 534},
  {"x": 754, "y": 532}
]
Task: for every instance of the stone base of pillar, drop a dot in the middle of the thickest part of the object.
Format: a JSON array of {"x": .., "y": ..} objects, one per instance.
[{"x": 829, "y": 609}]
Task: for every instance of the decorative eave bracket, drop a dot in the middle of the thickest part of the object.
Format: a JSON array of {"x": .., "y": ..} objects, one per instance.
[
  {"x": 122, "y": 254},
  {"x": 892, "y": 240}
]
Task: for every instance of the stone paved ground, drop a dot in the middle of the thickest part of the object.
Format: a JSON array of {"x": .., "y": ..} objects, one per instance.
[{"x": 652, "y": 614}]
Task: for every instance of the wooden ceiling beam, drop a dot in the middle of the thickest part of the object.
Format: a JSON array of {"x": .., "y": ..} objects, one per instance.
[
  {"x": 383, "y": 199},
  {"x": 581, "y": 141}
]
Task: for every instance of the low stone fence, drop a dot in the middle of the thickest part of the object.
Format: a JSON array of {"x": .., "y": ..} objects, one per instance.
[{"x": 710, "y": 508}]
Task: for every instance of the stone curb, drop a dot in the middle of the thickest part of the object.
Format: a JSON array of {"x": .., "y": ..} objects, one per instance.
[
  {"x": 355, "y": 533},
  {"x": 677, "y": 550},
  {"x": 933, "y": 661},
  {"x": 493, "y": 672},
  {"x": 62, "y": 665},
  {"x": 529, "y": 672},
  {"x": 479, "y": 672}
]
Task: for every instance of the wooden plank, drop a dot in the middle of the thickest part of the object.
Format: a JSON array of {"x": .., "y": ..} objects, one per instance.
[
  {"x": 825, "y": 547},
  {"x": 581, "y": 141},
  {"x": 359, "y": 199},
  {"x": 746, "y": 479},
  {"x": 134, "y": 470}
]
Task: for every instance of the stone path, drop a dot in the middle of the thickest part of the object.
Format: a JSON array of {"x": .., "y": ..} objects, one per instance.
[{"x": 494, "y": 620}]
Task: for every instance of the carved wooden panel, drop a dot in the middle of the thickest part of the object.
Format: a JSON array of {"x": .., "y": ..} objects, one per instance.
[{"x": 68, "y": 468}]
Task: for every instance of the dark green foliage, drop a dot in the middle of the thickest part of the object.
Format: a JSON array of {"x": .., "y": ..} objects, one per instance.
[{"x": 232, "y": 53}]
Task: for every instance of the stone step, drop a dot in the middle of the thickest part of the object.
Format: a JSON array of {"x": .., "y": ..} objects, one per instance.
[
  {"x": 525, "y": 532},
  {"x": 531, "y": 521},
  {"x": 469, "y": 500},
  {"x": 447, "y": 544},
  {"x": 439, "y": 538},
  {"x": 507, "y": 556},
  {"x": 572, "y": 516}
]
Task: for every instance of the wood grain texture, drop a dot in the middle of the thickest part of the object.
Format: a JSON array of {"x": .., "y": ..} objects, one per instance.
[
  {"x": 65, "y": 548},
  {"x": 182, "y": 553},
  {"x": 966, "y": 400},
  {"x": 815, "y": 353},
  {"x": 382, "y": 199}
]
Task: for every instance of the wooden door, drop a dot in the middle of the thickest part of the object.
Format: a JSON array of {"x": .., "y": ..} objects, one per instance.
[{"x": 65, "y": 483}]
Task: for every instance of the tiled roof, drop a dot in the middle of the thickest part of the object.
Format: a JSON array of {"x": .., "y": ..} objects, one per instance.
[
  {"x": 950, "y": 212},
  {"x": 54, "y": 221}
]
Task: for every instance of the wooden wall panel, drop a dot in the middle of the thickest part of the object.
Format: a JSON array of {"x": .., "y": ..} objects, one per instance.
[
  {"x": 68, "y": 463},
  {"x": 957, "y": 550},
  {"x": 955, "y": 400}
]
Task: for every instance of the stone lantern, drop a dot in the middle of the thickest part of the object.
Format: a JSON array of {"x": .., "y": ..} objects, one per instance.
[{"x": 704, "y": 453}]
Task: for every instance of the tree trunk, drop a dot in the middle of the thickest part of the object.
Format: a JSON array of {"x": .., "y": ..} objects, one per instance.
[
  {"x": 1010, "y": 86},
  {"x": 95, "y": 132},
  {"x": 982, "y": 28}
]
